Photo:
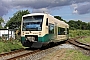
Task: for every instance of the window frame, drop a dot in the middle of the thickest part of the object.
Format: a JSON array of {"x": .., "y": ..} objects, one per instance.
[
  {"x": 61, "y": 31},
  {"x": 51, "y": 32},
  {"x": 46, "y": 21}
]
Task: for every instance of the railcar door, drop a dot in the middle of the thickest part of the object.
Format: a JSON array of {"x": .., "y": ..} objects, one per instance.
[
  {"x": 55, "y": 31},
  {"x": 51, "y": 31}
]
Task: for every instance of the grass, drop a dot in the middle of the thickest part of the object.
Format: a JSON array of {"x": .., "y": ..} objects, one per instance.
[
  {"x": 76, "y": 33},
  {"x": 9, "y": 46},
  {"x": 85, "y": 40},
  {"x": 68, "y": 54},
  {"x": 77, "y": 55}
]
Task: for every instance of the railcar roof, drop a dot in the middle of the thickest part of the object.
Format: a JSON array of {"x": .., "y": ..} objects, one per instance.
[
  {"x": 59, "y": 21},
  {"x": 34, "y": 14}
]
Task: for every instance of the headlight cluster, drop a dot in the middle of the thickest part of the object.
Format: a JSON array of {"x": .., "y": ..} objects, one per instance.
[{"x": 31, "y": 39}]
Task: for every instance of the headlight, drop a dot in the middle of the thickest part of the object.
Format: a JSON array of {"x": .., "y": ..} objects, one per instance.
[{"x": 30, "y": 38}]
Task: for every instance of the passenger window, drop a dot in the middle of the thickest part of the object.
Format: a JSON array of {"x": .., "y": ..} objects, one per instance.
[
  {"x": 47, "y": 22},
  {"x": 58, "y": 30},
  {"x": 67, "y": 31},
  {"x": 62, "y": 30},
  {"x": 51, "y": 28}
]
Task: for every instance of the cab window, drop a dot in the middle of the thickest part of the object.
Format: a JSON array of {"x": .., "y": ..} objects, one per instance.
[{"x": 47, "y": 22}]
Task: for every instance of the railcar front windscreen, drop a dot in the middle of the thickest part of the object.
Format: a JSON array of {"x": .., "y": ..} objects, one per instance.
[{"x": 32, "y": 23}]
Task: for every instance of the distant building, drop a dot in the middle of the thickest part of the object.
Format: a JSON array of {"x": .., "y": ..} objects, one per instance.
[{"x": 7, "y": 33}]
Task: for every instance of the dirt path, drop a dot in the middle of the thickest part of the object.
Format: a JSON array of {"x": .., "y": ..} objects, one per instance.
[{"x": 58, "y": 55}]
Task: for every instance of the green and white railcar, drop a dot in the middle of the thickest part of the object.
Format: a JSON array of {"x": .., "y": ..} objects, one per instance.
[{"x": 41, "y": 28}]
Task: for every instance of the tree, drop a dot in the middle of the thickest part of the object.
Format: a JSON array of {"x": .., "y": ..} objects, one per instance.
[
  {"x": 15, "y": 21},
  {"x": 79, "y": 25},
  {"x": 1, "y": 21},
  {"x": 58, "y": 17},
  {"x": 88, "y": 25}
]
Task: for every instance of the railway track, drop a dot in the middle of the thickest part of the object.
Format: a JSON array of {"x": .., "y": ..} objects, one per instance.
[
  {"x": 9, "y": 55},
  {"x": 23, "y": 54},
  {"x": 35, "y": 55},
  {"x": 31, "y": 54},
  {"x": 79, "y": 44}
]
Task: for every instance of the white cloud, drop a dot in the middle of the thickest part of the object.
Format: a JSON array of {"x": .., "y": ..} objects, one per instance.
[
  {"x": 42, "y": 10},
  {"x": 6, "y": 5},
  {"x": 74, "y": 7},
  {"x": 81, "y": 8}
]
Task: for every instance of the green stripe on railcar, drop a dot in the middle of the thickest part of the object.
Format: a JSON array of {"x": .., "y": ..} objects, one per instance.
[
  {"x": 45, "y": 38},
  {"x": 22, "y": 39}
]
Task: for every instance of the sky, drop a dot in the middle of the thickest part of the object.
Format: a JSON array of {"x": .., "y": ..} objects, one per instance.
[{"x": 67, "y": 9}]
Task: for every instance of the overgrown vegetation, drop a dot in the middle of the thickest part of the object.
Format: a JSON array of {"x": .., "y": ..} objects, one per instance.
[
  {"x": 85, "y": 40},
  {"x": 76, "y": 33},
  {"x": 7, "y": 46},
  {"x": 1, "y": 21},
  {"x": 77, "y": 55}
]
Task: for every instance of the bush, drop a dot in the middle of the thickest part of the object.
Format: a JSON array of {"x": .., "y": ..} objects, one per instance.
[
  {"x": 10, "y": 45},
  {"x": 76, "y": 33}
]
